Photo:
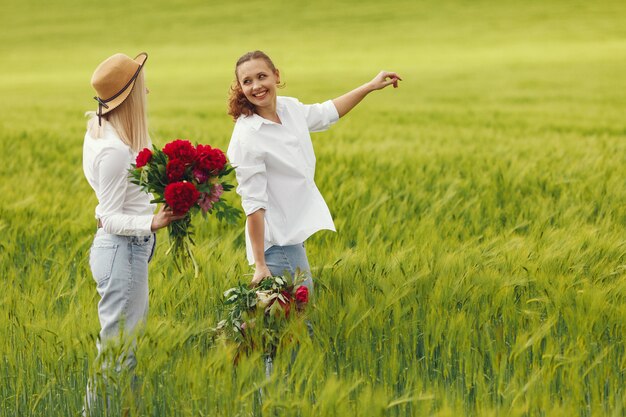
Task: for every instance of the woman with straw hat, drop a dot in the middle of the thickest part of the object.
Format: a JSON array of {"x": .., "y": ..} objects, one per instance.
[{"x": 125, "y": 239}]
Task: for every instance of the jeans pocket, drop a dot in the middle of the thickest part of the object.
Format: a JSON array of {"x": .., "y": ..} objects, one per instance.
[
  {"x": 101, "y": 258},
  {"x": 141, "y": 240}
]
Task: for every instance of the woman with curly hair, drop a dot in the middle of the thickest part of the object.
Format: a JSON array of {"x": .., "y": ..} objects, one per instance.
[{"x": 274, "y": 161}]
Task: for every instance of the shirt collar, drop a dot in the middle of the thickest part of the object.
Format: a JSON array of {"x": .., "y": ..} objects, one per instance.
[{"x": 255, "y": 121}]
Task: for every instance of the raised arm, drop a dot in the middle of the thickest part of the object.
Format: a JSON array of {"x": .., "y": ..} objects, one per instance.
[{"x": 346, "y": 102}]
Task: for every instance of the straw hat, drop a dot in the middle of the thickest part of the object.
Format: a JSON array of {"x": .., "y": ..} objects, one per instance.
[{"x": 114, "y": 79}]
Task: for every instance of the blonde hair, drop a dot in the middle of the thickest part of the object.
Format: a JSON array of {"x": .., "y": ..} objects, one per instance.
[{"x": 129, "y": 119}]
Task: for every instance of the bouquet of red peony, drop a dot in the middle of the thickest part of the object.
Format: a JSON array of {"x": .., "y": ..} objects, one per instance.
[
  {"x": 188, "y": 179},
  {"x": 258, "y": 315}
]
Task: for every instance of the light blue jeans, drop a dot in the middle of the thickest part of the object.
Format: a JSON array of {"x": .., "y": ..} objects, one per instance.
[
  {"x": 119, "y": 265},
  {"x": 281, "y": 259}
]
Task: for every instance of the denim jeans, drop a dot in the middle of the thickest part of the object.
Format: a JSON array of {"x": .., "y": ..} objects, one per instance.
[
  {"x": 281, "y": 259},
  {"x": 119, "y": 265}
]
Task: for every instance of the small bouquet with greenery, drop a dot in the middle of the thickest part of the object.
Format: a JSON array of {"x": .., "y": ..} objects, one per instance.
[
  {"x": 189, "y": 179},
  {"x": 258, "y": 315}
]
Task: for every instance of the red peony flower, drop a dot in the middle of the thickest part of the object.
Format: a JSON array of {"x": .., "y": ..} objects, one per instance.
[
  {"x": 302, "y": 294},
  {"x": 180, "y": 149},
  {"x": 175, "y": 170},
  {"x": 144, "y": 156},
  {"x": 210, "y": 159},
  {"x": 181, "y": 196}
]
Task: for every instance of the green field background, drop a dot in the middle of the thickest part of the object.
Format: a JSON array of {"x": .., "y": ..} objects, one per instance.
[{"x": 479, "y": 266}]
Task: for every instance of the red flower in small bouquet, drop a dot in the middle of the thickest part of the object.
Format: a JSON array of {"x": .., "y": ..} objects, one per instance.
[
  {"x": 143, "y": 157},
  {"x": 175, "y": 170},
  {"x": 302, "y": 295},
  {"x": 181, "y": 150},
  {"x": 275, "y": 298},
  {"x": 210, "y": 159},
  {"x": 189, "y": 179},
  {"x": 181, "y": 196}
]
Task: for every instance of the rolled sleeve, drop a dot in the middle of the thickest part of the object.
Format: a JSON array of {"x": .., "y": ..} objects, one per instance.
[
  {"x": 112, "y": 170},
  {"x": 251, "y": 175},
  {"x": 320, "y": 116}
]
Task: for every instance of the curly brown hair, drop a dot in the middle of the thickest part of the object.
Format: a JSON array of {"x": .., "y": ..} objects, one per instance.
[{"x": 238, "y": 104}]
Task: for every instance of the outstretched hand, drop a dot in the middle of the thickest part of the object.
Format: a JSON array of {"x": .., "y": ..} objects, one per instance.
[
  {"x": 346, "y": 102},
  {"x": 384, "y": 79}
]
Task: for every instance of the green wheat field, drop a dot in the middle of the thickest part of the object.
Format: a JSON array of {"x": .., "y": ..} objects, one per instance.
[{"x": 479, "y": 268}]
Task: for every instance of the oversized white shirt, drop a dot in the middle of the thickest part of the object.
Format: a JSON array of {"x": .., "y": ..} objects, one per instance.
[
  {"x": 275, "y": 168},
  {"x": 123, "y": 208}
]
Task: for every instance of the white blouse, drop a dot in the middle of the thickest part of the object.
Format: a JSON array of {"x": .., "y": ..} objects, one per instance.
[
  {"x": 123, "y": 208},
  {"x": 275, "y": 168}
]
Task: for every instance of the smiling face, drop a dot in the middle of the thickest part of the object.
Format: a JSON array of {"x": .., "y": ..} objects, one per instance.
[{"x": 258, "y": 82}]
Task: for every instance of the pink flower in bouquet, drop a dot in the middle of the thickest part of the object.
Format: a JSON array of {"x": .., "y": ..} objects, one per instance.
[
  {"x": 181, "y": 196},
  {"x": 210, "y": 159},
  {"x": 175, "y": 170},
  {"x": 216, "y": 193},
  {"x": 207, "y": 200},
  {"x": 302, "y": 294},
  {"x": 182, "y": 150},
  {"x": 144, "y": 156}
]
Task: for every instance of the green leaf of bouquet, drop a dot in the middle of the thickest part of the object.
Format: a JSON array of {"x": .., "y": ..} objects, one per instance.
[{"x": 204, "y": 188}]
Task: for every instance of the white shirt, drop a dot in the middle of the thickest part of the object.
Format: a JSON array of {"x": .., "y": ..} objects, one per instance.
[
  {"x": 275, "y": 168},
  {"x": 123, "y": 208}
]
